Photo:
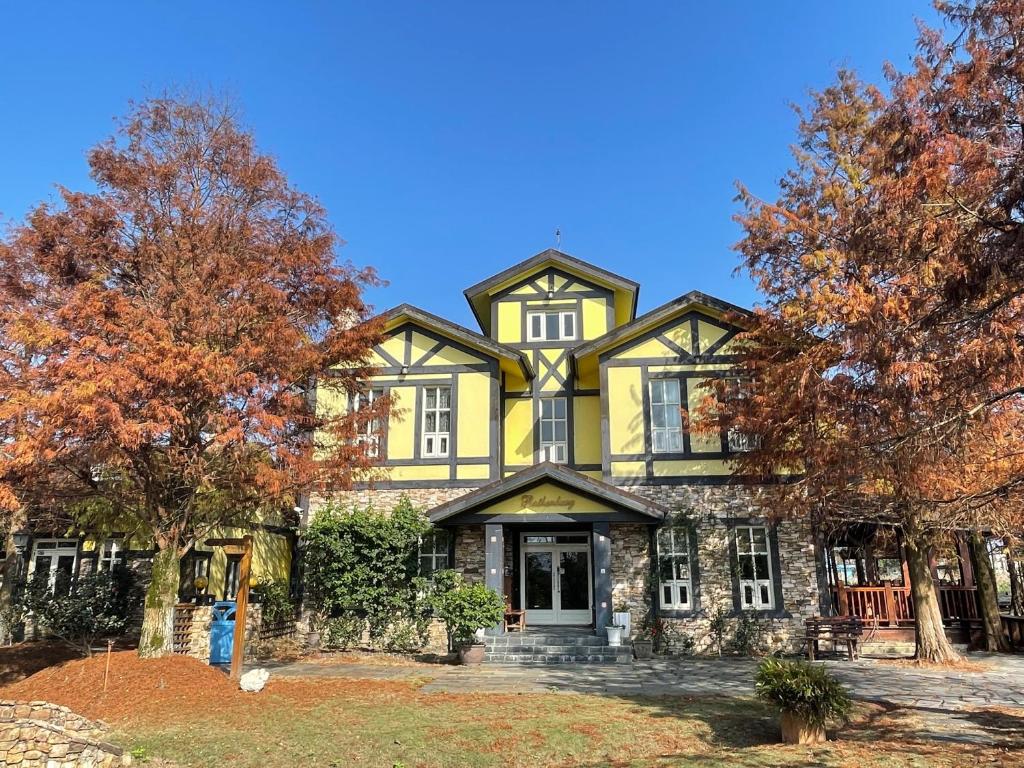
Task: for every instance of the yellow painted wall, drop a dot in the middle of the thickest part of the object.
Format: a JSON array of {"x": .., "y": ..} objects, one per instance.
[
  {"x": 587, "y": 429},
  {"x": 595, "y": 317},
  {"x": 271, "y": 558},
  {"x": 402, "y": 423},
  {"x": 625, "y": 410},
  {"x": 546, "y": 498},
  {"x": 518, "y": 431},
  {"x": 473, "y": 414},
  {"x": 510, "y": 326}
]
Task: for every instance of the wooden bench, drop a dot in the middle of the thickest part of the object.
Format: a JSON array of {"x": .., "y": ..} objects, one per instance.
[{"x": 837, "y": 629}]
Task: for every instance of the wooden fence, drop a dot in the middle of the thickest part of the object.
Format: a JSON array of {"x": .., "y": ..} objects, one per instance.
[
  {"x": 184, "y": 613},
  {"x": 891, "y": 605}
]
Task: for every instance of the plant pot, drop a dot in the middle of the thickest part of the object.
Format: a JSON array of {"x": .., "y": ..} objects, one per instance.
[
  {"x": 614, "y": 635},
  {"x": 472, "y": 654},
  {"x": 643, "y": 649},
  {"x": 623, "y": 619},
  {"x": 796, "y": 729}
]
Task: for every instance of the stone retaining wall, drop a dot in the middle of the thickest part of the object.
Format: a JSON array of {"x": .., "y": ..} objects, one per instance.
[{"x": 38, "y": 734}]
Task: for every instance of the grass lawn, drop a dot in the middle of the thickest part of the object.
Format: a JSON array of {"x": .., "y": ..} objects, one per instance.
[
  {"x": 178, "y": 712},
  {"x": 376, "y": 723}
]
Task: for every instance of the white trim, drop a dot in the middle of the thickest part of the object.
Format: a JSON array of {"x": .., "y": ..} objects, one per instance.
[
  {"x": 54, "y": 549},
  {"x": 677, "y": 587},
  {"x": 436, "y": 442},
  {"x": 556, "y": 615},
  {"x": 761, "y": 590},
  {"x": 672, "y": 434},
  {"x": 563, "y": 315},
  {"x": 553, "y": 450}
]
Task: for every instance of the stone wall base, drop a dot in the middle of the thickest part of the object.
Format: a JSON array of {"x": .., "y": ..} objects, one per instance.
[{"x": 38, "y": 734}]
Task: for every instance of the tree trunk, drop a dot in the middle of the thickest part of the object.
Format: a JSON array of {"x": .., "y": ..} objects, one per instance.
[
  {"x": 9, "y": 579},
  {"x": 1016, "y": 587},
  {"x": 161, "y": 596},
  {"x": 988, "y": 594},
  {"x": 931, "y": 643}
]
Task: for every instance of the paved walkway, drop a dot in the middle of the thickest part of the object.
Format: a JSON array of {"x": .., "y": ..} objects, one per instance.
[{"x": 1000, "y": 683}]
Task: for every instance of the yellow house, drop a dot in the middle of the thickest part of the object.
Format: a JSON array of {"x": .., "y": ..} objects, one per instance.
[{"x": 550, "y": 449}]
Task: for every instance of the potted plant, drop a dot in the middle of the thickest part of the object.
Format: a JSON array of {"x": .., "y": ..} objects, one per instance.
[
  {"x": 615, "y": 634},
  {"x": 807, "y": 696},
  {"x": 466, "y": 610},
  {"x": 622, "y": 618},
  {"x": 643, "y": 643}
]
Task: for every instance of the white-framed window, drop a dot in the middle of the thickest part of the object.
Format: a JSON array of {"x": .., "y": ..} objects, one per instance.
[
  {"x": 111, "y": 555},
  {"x": 54, "y": 561},
  {"x": 675, "y": 576},
  {"x": 433, "y": 552},
  {"x": 755, "y": 568},
  {"x": 666, "y": 416},
  {"x": 370, "y": 432},
  {"x": 554, "y": 430},
  {"x": 437, "y": 420},
  {"x": 551, "y": 325},
  {"x": 741, "y": 442}
]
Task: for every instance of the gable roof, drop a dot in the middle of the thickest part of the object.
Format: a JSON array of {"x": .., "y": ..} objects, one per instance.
[
  {"x": 478, "y": 295},
  {"x": 632, "y": 505},
  {"x": 407, "y": 312},
  {"x": 653, "y": 319}
]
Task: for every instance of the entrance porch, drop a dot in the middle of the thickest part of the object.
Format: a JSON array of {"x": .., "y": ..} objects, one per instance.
[{"x": 547, "y": 541}]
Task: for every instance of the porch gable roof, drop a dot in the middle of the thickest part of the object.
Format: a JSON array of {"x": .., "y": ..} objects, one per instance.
[{"x": 484, "y": 504}]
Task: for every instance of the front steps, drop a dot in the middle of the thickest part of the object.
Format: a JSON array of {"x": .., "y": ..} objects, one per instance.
[{"x": 554, "y": 646}]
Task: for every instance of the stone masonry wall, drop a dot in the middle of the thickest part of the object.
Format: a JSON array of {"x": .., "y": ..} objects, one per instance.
[
  {"x": 387, "y": 498},
  {"x": 712, "y": 510},
  {"x": 38, "y": 734}
]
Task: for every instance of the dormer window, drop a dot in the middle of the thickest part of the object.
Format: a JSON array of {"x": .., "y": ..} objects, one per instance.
[{"x": 551, "y": 325}]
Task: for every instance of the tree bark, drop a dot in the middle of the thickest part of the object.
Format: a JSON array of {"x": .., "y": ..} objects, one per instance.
[
  {"x": 931, "y": 643},
  {"x": 988, "y": 594},
  {"x": 1016, "y": 587},
  {"x": 161, "y": 596},
  {"x": 9, "y": 578}
]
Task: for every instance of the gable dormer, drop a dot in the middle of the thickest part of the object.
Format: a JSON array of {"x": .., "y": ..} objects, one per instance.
[{"x": 552, "y": 297}]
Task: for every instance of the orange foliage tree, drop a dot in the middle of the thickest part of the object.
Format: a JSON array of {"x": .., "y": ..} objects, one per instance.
[
  {"x": 160, "y": 338},
  {"x": 887, "y": 361}
]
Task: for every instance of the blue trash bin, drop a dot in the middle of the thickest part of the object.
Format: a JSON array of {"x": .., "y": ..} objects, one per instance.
[{"x": 222, "y": 632}]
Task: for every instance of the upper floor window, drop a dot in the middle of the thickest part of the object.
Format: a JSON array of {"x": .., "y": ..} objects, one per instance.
[
  {"x": 755, "y": 571},
  {"x": 741, "y": 442},
  {"x": 111, "y": 555},
  {"x": 551, "y": 325},
  {"x": 554, "y": 427},
  {"x": 433, "y": 552},
  {"x": 675, "y": 578},
  {"x": 437, "y": 420},
  {"x": 666, "y": 416},
  {"x": 369, "y": 433}
]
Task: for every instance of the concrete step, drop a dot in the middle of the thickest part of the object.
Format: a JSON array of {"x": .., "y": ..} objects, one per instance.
[
  {"x": 526, "y": 647},
  {"x": 543, "y": 658},
  {"x": 545, "y": 639}
]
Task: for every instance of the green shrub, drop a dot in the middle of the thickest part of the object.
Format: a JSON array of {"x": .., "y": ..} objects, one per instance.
[
  {"x": 361, "y": 573},
  {"x": 802, "y": 689},
  {"x": 98, "y": 605},
  {"x": 464, "y": 608},
  {"x": 749, "y": 637},
  {"x": 276, "y": 602}
]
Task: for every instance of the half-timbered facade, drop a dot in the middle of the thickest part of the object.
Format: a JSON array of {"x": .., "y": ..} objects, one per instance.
[{"x": 551, "y": 450}]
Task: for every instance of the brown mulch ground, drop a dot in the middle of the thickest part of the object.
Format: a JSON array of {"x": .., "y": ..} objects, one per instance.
[
  {"x": 19, "y": 661},
  {"x": 134, "y": 686}
]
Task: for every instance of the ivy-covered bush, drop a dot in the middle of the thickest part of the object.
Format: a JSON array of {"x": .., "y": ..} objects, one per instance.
[
  {"x": 276, "y": 602},
  {"x": 464, "y": 608},
  {"x": 93, "y": 607},
  {"x": 361, "y": 573},
  {"x": 802, "y": 689}
]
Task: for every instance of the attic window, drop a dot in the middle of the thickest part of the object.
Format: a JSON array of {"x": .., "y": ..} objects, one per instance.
[{"x": 551, "y": 326}]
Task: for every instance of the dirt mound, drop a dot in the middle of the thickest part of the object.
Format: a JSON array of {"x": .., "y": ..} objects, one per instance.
[{"x": 135, "y": 688}]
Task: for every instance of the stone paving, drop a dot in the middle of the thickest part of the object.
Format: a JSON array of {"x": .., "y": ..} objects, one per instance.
[{"x": 1000, "y": 682}]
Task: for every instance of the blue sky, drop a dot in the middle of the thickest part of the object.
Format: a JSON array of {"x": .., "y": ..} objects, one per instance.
[{"x": 448, "y": 140}]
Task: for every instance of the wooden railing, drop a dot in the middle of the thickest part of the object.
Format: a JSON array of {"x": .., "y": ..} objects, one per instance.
[{"x": 892, "y": 606}]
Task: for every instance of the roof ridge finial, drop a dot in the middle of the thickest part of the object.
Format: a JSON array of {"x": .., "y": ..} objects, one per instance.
[{"x": 558, "y": 238}]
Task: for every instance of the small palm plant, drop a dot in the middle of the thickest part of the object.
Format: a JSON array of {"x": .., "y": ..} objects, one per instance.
[{"x": 807, "y": 696}]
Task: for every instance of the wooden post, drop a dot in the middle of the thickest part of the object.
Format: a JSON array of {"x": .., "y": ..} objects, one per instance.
[
  {"x": 890, "y": 603},
  {"x": 241, "y": 604}
]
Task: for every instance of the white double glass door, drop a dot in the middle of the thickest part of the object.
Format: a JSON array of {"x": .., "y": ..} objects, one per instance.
[{"x": 555, "y": 579}]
